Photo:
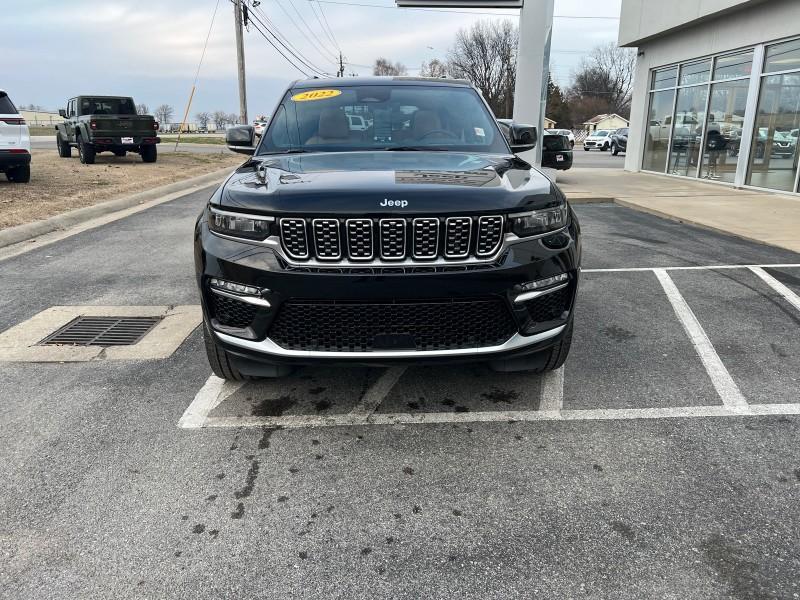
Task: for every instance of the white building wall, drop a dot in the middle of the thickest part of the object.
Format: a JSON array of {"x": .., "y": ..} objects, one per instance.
[{"x": 755, "y": 24}]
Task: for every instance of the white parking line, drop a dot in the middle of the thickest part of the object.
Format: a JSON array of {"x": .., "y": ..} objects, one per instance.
[
  {"x": 552, "y": 398},
  {"x": 723, "y": 382},
  {"x": 690, "y": 268},
  {"x": 776, "y": 285},
  {"x": 603, "y": 414},
  {"x": 376, "y": 393},
  {"x": 211, "y": 395}
]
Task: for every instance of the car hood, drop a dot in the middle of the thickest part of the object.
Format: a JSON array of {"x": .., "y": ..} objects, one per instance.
[{"x": 381, "y": 183}]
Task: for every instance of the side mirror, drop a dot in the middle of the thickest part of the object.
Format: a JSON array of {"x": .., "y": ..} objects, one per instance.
[
  {"x": 241, "y": 139},
  {"x": 62, "y": 112},
  {"x": 523, "y": 137}
]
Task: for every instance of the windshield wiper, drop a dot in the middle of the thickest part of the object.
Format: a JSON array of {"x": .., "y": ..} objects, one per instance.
[{"x": 413, "y": 149}]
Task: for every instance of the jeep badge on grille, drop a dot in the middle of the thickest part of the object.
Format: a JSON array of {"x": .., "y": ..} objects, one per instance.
[{"x": 400, "y": 203}]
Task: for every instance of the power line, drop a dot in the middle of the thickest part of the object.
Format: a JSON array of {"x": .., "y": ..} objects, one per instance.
[
  {"x": 304, "y": 34},
  {"x": 275, "y": 32},
  {"x": 328, "y": 25},
  {"x": 311, "y": 31},
  {"x": 322, "y": 25},
  {"x": 278, "y": 50},
  {"x": 309, "y": 66}
]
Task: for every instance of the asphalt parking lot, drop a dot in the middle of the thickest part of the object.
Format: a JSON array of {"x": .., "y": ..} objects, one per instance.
[{"x": 660, "y": 463}]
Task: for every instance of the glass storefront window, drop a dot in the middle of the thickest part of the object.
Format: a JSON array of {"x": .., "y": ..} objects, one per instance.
[
  {"x": 659, "y": 121},
  {"x": 664, "y": 78},
  {"x": 697, "y": 72},
  {"x": 773, "y": 155},
  {"x": 783, "y": 57},
  {"x": 723, "y": 129},
  {"x": 733, "y": 65},
  {"x": 687, "y": 130}
]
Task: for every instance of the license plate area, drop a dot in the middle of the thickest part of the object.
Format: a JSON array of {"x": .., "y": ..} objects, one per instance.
[{"x": 127, "y": 140}]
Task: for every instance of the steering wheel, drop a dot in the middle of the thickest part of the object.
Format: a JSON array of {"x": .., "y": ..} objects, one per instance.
[{"x": 433, "y": 131}]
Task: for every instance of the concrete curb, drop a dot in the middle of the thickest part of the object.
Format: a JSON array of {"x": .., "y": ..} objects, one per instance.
[{"x": 27, "y": 231}]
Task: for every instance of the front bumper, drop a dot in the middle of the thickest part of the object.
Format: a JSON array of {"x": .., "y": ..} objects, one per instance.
[{"x": 261, "y": 267}]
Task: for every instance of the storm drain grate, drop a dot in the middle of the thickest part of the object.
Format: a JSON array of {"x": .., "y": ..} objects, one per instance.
[{"x": 101, "y": 331}]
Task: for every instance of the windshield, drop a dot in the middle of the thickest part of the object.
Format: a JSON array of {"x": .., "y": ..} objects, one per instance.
[
  {"x": 107, "y": 106},
  {"x": 383, "y": 117},
  {"x": 601, "y": 133}
]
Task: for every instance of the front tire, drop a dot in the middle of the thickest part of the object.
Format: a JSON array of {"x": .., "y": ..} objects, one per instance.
[
  {"x": 149, "y": 153},
  {"x": 20, "y": 174},
  {"x": 64, "y": 149},
  {"x": 541, "y": 362},
  {"x": 614, "y": 149},
  {"x": 224, "y": 366},
  {"x": 86, "y": 152}
]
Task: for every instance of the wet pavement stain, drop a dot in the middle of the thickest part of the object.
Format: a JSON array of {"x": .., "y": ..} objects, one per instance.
[
  {"x": 797, "y": 474},
  {"x": 598, "y": 468},
  {"x": 211, "y": 498},
  {"x": 416, "y": 510},
  {"x": 199, "y": 528},
  {"x": 413, "y": 405},
  {"x": 294, "y": 470},
  {"x": 322, "y": 405},
  {"x": 618, "y": 334},
  {"x": 457, "y": 512},
  {"x": 741, "y": 575},
  {"x": 213, "y": 533},
  {"x": 302, "y": 555},
  {"x": 365, "y": 551},
  {"x": 623, "y": 529},
  {"x": 266, "y": 434},
  {"x": 220, "y": 475},
  {"x": 283, "y": 498},
  {"x": 239, "y": 512},
  {"x": 408, "y": 470},
  {"x": 273, "y": 407},
  {"x": 315, "y": 442},
  {"x": 498, "y": 396},
  {"x": 250, "y": 481}
]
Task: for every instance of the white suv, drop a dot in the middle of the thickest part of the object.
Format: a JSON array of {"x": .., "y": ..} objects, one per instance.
[{"x": 15, "y": 142}]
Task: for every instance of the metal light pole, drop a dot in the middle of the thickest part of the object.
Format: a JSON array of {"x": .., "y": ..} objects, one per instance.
[
  {"x": 237, "y": 13},
  {"x": 533, "y": 66}
]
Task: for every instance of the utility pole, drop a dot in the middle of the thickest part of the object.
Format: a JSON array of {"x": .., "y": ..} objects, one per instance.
[
  {"x": 237, "y": 13},
  {"x": 340, "y": 73}
]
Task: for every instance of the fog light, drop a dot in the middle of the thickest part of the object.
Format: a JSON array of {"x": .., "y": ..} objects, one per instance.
[
  {"x": 543, "y": 283},
  {"x": 236, "y": 288}
]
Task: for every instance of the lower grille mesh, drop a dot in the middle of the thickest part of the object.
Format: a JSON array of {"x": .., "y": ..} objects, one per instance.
[
  {"x": 417, "y": 325},
  {"x": 550, "y": 306},
  {"x": 233, "y": 313}
]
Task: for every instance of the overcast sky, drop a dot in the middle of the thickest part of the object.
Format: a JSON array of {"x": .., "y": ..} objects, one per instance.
[{"x": 150, "y": 49}]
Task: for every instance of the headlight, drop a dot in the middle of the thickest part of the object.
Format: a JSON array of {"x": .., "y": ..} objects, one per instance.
[
  {"x": 251, "y": 227},
  {"x": 539, "y": 221}
]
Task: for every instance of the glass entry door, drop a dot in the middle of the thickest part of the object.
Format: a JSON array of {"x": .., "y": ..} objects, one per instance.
[{"x": 687, "y": 130}]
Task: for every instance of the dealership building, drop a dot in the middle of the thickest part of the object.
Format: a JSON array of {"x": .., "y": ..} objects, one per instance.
[{"x": 716, "y": 91}]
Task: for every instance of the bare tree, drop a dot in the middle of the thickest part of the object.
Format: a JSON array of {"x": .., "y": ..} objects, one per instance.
[
  {"x": 233, "y": 119},
  {"x": 141, "y": 109},
  {"x": 164, "y": 114},
  {"x": 605, "y": 77},
  {"x": 434, "y": 68},
  {"x": 220, "y": 118},
  {"x": 202, "y": 119},
  {"x": 486, "y": 54},
  {"x": 384, "y": 66}
]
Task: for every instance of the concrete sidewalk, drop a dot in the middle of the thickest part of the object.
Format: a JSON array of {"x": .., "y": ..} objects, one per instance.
[{"x": 765, "y": 217}]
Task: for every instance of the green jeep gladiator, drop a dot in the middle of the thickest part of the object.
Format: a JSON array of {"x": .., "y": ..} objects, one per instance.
[{"x": 95, "y": 124}]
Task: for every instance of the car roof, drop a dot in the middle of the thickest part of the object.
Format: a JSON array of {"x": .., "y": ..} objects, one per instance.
[{"x": 359, "y": 81}]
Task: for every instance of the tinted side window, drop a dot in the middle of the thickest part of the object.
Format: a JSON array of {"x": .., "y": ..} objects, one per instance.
[{"x": 6, "y": 106}]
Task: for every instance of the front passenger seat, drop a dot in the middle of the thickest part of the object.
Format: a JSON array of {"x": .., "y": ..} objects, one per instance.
[{"x": 333, "y": 128}]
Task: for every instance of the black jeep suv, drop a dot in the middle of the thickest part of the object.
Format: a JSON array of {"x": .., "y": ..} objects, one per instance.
[{"x": 421, "y": 238}]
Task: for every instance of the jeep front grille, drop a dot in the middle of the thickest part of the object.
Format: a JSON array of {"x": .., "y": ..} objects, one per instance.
[
  {"x": 337, "y": 326},
  {"x": 392, "y": 239}
]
